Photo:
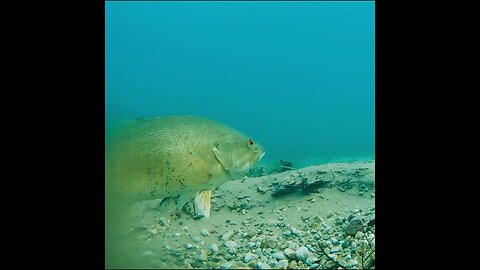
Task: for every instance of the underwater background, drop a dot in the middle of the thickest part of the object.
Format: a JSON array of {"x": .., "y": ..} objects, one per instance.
[{"x": 296, "y": 76}]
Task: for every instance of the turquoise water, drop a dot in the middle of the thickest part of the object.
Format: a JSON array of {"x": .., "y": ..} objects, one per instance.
[{"x": 296, "y": 76}]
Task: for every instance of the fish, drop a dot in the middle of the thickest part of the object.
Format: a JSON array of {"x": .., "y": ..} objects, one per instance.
[{"x": 178, "y": 155}]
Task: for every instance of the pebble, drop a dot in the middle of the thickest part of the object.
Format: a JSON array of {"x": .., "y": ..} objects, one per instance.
[
  {"x": 189, "y": 246},
  {"x": 262, "y": 265},
  {"x": 302, "y": 253},
  {"x": 227, "y": 236},
  {"x": 345, "y": 244},
  {"x": 359, "y": 235},
  {"x": 272, "y": 222},
  {"x": 296, "y": 232},
  {"x": 354, "y": 225},
  {"x": 247, "y": 257},
  {"x": 214, "y": 248},
  {"x": 205, "y": 232},
  {"x": 353, "y": 244},
  {"x": 334, "y": 241},
  {"x": 272, "y": 261},
  {"x": 272, "y": 242},
  {"x": 291, "y": 244},
  {"x": 278, "y": 255},
  {"x": 352, "y": 263},
  {"x": 226, "y": 265},
  {"x": 334, "y": 249},
  {"x": 231, "y": 244},
  {"x": 252, "y": 263},
  {"x": 281, "y": 264},
  {"x": 250, "y": 244},
  {"x": 203, "y": 256},
  {"x": 330, "y": 264},
  {"x": 287, "y": 233},
  {"x": 311, "y": 260},
  {"x": 177, "y": 234},
  {"x": 290, "y": 253}
]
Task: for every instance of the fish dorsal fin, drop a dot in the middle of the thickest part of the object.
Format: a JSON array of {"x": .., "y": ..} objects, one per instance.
[{"x": 223, "y": 150}]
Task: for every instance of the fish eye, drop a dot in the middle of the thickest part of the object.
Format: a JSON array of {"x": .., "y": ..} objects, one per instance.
[{"x": 250, "y": 142}]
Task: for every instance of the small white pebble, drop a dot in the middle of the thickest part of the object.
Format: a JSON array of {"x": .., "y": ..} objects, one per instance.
[
  {"x": 205, "y": 232},
  {"x": 214, "y": 248}
]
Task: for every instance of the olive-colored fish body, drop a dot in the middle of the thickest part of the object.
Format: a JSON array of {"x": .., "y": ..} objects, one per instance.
[{"x": 176, "y": 155}]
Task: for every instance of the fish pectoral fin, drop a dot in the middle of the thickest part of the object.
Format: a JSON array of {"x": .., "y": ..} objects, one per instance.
[
  {"x": 222, "y": 156},
  {"x": 202, "y": 203}
]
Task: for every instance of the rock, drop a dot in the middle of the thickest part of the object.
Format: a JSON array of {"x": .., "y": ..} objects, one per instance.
[
  {"x": 203, "y": 256},
  {"x": 250, "y": 244},
  {"x": 262, "y": 265},
  {"x": 188, "y": 245},
  {"x": 334, "y": 241},
  {"x": 284, "y": 188},
  {"x": 312, "y": 184},
  {"x": 271, "y": 261},
  {"x": 346, "y": 244},
  {"x": 291, "y": 244},
  {"x": 227, "y": 236},
  {"x": 249, "y": 256},
  {"x": 278, "y": 255},
  {"x": 272, "y": 242},
  {"x": 271, "y": 222},
  {"x": 226, "y": 265},
  {"x": 205, "y": 232},
  {"x": 330, "y": 264},
  {"x": 281, "y": 264},
  {"x": 287, "y": 233},
  {"x": 311, "y": 260},
  {"x": 334, "y": 250},
  {"x": 177, "y": 234},
  {"x": 352, "y": 263},
  {"x": 353, "y": 245},
  {"x": 292, "y": 265},
  {"x": 290, "y": 253},
  {"x": 296, "y": 232},
  {"x": 252, "y": 263},
  {"x": 214, "y": 248},
  {"x": 302, "y": 253},
  {"x": 355, "y": 225},
  {"x": 359, "y": 235},
  {"x": 231, "y": 244}
]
